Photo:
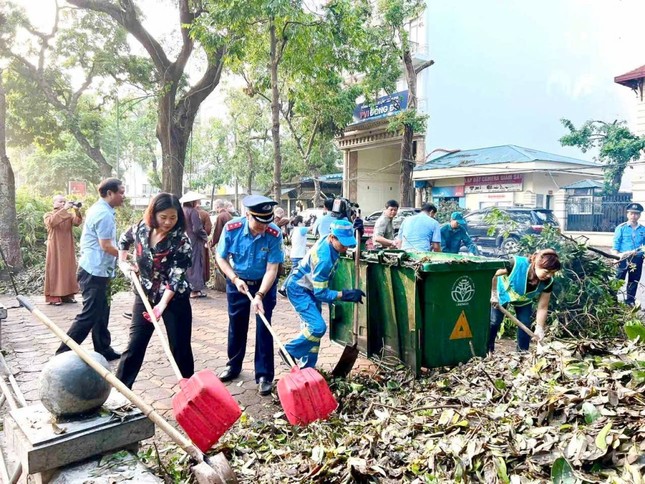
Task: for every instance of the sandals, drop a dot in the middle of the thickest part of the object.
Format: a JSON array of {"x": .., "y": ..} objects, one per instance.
[{"x": 197, "y": 294}]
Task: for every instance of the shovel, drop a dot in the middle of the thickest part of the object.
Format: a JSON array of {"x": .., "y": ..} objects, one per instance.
[
  {"x": 203, "y": 407},
  {"x": 516, "y": 321},
  {"x": 214, "y": 470},
  {"x": 350, "y": 353},
  {"x": 304, "y": 394}
]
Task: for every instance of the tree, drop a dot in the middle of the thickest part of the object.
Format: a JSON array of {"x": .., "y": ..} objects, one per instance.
[
  {"x": 396, "y": 16},
  {"x": 45, "y": 98},
  {"x": 9, "y": 238},
  {"x": 616, "y": 144},
  {"x": 178, "y": 102}
]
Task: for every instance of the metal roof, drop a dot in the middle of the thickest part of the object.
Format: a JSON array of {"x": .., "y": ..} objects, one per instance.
[
  {"x": 498, "y": 154},
  {"x": 586, "y": 184}
]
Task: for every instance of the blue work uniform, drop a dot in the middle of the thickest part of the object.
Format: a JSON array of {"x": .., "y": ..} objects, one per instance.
[
  {"x": 514, "y": 289},
  {"x": 249, "y": 256},
  {"x": 419, "y": 232},
  {"x": 452, "y": 239},
  {"x": 308, "y": 287},
  {"x": 627, "y": 238}
]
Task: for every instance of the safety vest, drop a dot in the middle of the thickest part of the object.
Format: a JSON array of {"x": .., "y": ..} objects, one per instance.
[{"x": 512, "y": 287}]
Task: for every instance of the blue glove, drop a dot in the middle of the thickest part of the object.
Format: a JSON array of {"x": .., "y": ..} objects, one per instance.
[{"x": 352, "y": 295}]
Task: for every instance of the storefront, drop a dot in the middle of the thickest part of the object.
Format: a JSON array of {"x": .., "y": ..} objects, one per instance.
[
  {"x": 371, "y": 153},
  {"x": 502, "y": 176}
]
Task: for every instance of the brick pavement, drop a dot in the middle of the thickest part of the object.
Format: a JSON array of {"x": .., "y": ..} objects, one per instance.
[{"x": 28, "y": 345}]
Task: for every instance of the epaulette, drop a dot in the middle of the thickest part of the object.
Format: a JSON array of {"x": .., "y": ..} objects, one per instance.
[
  {"x": 233, "y": 225},
  {"x": 622, "y": 224},
  {"x": 272, "y": 231}
]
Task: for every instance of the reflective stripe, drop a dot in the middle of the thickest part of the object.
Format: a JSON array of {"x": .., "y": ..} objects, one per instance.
[
  {"x": 309, "y": 336},
  {"x": 321, "y": 284},
  {"x": 315, "y": 349}
]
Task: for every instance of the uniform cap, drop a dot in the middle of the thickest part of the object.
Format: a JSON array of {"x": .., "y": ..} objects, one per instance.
[
  {"x": 343, "y": 230},
  {"x": 191, "y": 197},
  {"x": 634, "y": 207},
  {"x": 458, "y": 217},
  {"x": 260, "y": 207}
]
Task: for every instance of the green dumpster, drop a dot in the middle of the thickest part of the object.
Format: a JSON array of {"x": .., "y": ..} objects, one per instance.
[
  {"x": 426, "y": 309},
  {"x": 454, "y": 291}
]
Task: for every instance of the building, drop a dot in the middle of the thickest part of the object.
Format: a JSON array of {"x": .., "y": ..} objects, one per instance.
[
  {"x": 503, "y": 176},
  {"x": 634, "y": 80}
]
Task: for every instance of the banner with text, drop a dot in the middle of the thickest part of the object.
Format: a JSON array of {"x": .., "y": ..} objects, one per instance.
[{"x": 494, "y": 183}]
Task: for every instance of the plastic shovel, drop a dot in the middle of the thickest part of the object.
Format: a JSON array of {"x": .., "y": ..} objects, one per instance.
[
  {"x": 204, "y": 407},
  {"x": 350, "y": 353},
  {"x": 214, "y": 470},
  {"x": 304, "y": 394}
]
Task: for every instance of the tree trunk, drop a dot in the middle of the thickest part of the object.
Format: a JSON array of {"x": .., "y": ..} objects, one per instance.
[
  {"x": 9, "y": 237},
  {"x": 317, "y": 191},
  {"x": 249, "y": 181},
  {"x": 275, "y": 115},
  {"x": 407, "y": 163}
]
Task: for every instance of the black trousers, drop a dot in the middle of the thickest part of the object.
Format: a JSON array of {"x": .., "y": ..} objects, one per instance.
[
  {"x": 633, "y": 269},
  {"x": 178, "y": 319},
  {"x": 95, "y": 314}
]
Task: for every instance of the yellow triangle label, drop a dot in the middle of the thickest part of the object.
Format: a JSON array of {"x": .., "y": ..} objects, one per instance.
[{"x": 462, "y": 328}]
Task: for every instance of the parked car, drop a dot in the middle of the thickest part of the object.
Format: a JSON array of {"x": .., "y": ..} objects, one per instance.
[
  {"x": 403, "y": 212},
  {"x": 505, "y": 237}
]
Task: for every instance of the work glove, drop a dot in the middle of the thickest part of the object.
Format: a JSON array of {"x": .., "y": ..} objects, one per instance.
[
  {"x": 157, "y": 311},
  {"x": 352, "y": 295},
  {"x": 539, "y": 333}
]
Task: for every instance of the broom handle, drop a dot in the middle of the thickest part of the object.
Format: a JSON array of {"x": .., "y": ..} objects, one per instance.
[
  {"x": 357, "y": 274},
  {"x": 147, "y": 409},
  {"x": 155, "y": 322},
  {"x": 516, "y": 321},
  {"x": 273, "y": 333}
]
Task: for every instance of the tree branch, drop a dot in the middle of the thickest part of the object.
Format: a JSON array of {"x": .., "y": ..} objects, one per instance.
[
  {"x": 423, "y": 66},
  {"x": 126, "y": 16}
]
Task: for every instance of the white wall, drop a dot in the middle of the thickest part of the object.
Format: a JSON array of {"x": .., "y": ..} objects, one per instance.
[{"x": 376, "y": 183}]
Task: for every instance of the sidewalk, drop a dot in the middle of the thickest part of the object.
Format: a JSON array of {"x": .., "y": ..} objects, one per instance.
[{"x": 28, "y": 345}]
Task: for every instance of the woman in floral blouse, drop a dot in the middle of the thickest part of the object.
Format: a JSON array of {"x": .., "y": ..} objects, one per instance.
[{"x": 163, "y": 253}]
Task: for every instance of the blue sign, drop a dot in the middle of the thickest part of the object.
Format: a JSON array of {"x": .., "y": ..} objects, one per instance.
[{"x": 382, "y": 108}]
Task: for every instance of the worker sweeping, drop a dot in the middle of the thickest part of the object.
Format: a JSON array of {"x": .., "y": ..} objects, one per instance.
[
  {"x": 307, "y": 287},
  {"x": 523, "y": 280}
]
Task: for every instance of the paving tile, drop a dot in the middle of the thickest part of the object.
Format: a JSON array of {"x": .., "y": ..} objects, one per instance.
[{"x": 29, "y": 345}]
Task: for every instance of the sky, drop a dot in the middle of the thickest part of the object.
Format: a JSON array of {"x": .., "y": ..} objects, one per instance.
[{"x": 506, "y": 71}]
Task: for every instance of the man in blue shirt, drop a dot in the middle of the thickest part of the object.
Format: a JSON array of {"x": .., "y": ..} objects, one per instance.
[
  {"x": 421, "y": 232},
  {"x": 454, "y": 235},
  {"x": 96, "y": 266},
  {"x": 322, "y": 225},
  {"x": 308, "y": 286},
  {"x": 249, "y": 253},
  {"x": 629, "y": 238}
]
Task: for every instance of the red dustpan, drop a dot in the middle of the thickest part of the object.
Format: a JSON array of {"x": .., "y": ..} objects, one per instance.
[
  {"x": 304, "y": 394},
  {"x": 203, "y": 407}
]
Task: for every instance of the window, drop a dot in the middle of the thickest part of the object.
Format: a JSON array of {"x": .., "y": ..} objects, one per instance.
[{"x": 581, "y": 205}]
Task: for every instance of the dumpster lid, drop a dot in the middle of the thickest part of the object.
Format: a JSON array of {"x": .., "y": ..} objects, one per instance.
[{"x": 433, "y": 261}]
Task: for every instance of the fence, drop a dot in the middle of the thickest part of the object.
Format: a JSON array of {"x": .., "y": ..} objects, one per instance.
[{"x": 596, "y": 213}]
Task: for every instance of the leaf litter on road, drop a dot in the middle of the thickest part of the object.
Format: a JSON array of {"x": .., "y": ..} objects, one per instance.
[{"x": 567, "y": 412}]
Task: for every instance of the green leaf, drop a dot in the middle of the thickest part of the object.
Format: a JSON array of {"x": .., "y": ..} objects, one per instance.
[
  {"x": 500, "y": 384},
  {"x": 590, "y": 412},
  {"x": 601, "y": 439},
  {"x": 562, "y": 472},
  {"x": 502, "y": 472},
  {"x": 635, "y": 330}
]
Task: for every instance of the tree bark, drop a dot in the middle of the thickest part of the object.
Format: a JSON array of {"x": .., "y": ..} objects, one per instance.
[
  {"x": 9, "y": 237},
  {"x": 407, "y": 163},
  {"x": 317, "y": 191},
  {"x": 275, "y": 113}
]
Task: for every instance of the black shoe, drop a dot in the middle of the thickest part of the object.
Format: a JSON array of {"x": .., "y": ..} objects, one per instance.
[
  {"x": 282, "y": 291},
  {"x": 227, "y": 375},
  {"x": 264, "y": 386},
  {"x": 127, "y": 315},
  {"x": 111, "y": 355}
]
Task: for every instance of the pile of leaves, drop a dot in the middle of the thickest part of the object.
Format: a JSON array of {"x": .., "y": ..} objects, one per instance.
[{"x": 570, "y": 411}]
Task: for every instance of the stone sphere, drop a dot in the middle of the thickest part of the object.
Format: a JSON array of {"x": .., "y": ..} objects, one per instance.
[{"x": 70, "y": 387}]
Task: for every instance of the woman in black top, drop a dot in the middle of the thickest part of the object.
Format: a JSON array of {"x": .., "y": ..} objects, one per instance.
[{"x": 163, "y": 253}]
